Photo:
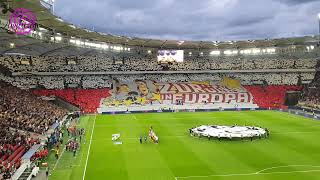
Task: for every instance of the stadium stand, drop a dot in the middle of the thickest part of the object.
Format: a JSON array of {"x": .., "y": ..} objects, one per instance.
[
  {"x": 21, "y": 115},
  {"x": 20, "y": 109},
  {"x": 271, "y": 96},
  {"x": 311, "y": 94},
  {"x": 90, "y": 99},
  {"x": 149, "y": 63},
  {"x": 87, "y": 99},
  {"x": 88, "y": 87},
  {"x": 105, "y": 81}
]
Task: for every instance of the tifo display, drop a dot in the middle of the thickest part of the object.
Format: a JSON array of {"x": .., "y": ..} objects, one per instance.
[{"x": 229, "y": 132}]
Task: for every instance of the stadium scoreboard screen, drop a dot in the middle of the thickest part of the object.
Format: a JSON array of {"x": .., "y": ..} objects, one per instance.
[{"x": 166, "y": 56}]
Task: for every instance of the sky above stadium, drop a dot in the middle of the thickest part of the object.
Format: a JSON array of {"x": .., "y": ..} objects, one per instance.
[{"x": 210, "y": 20}]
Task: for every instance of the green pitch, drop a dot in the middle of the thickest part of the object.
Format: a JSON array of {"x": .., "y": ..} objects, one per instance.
[{"x": 292, "y": 151}]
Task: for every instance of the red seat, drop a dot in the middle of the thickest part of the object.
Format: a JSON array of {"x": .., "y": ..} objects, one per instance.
[
  {"x": 270, "y": 96},
  {"x": 87, "y": 99}
]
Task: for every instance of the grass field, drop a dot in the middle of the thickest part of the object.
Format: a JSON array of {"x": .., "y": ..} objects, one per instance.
[{"x": 292, "y": 151}]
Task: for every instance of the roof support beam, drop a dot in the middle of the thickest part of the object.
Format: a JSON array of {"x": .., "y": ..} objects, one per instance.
[{"x": 163, "y": 43}]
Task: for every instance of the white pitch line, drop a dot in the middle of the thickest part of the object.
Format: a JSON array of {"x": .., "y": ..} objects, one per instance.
[
  {"x": 55, "y": 165},
  {"x": 296, "y": 132},
  {"x": 81, "y": 157},
  {"x": 79, "y": 164},
  {"x": 134, "y": 117},
  {"x": 85, "y": 168},
  {"x": 256, "y": 173},
  {"x": 136, "y": 138},
  {"x": 284, "y": 167},
  {"x": 186, "y": 136}
]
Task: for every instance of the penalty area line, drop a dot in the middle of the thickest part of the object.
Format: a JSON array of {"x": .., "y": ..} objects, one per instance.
[{"x": 88, "y": 153}]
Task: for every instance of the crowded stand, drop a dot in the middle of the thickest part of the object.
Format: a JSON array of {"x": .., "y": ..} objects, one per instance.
[
  {"x": 13, "y": 145},
  {"x": 22, "y": 110},
  {"x": 89, "y": 100},
  {"x": 311, "y": 94},
  {"x": 149, "y": 63},
  {"x": 87, "y": 90},
  {"x": 105, "y": 81},
  {"x": 271, "y": 96}
]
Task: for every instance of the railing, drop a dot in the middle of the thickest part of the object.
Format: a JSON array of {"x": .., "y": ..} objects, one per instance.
[{"x": 20, "y": 171}]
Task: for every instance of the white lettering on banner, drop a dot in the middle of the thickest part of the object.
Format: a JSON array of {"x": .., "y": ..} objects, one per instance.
[
  {"x": 164, "y": 88},
  {"x": 172, "y": 89},
  {"x": 166, "y": 97},
  {"x": 204, "y": 98},
  {"x": 190, "y": 98},
  {"x": 196, "y": 88},
  {"x": 177, "y": 97},
  {"x": 183, "y": 88},
  {"x": 217, "y": 98},
  {"x": 243, "y": 97},
  {"x": 208, "y": 88},
  {"x": 230, "y": 97}
]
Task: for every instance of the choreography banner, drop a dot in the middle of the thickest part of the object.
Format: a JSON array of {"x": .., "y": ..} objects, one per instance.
[{"x": 150, "y": 92}]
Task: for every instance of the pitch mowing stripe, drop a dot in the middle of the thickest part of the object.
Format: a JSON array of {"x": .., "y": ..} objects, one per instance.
[{"x": 88, "y": 153}]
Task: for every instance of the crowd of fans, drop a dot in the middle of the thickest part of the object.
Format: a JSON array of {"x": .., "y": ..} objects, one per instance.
[
  {"x": 13, "y": 144},
  {"x": 291, "y": 78},
  {"x": 20, "y": 109},
  {"x": 106, "y": 81},
  {"x": 139, "y": 62},
  {"x": 311, "y": 93},
  {"x": 136, "y": 62}
]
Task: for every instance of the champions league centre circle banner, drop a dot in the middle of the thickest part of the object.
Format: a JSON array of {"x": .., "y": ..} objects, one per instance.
[{"x": 144, "y": 92}]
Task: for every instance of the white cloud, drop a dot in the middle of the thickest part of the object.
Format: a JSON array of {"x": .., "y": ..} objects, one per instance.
[{"x": 194, "y": 19}]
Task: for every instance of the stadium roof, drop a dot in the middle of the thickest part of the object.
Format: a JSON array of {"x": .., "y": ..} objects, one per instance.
[{"x": 47, "y": 20}]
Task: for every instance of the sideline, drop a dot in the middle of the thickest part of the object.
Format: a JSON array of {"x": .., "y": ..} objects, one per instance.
[{"x": 88, "y": 153}]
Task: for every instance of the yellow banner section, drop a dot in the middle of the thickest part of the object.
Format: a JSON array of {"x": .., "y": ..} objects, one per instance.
[{"x": 230, "y": 83}]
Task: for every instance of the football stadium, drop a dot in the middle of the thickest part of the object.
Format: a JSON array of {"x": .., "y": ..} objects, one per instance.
[{"x": 168, "y": 90}]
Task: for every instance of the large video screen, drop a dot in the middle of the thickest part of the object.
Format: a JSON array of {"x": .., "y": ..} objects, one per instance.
[{"x": 170, "y": 56}]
